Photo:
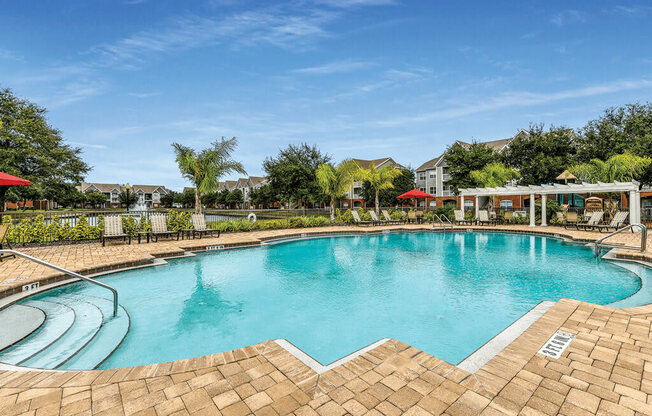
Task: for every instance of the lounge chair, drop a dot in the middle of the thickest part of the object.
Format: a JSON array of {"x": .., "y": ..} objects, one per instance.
[
  {"x": 358, "y": 221},
  {"x": 160, "y": 227},
  {"x": 570, "y": 219},
  {"x": 4, "y": 230},
  {"x": 616, "y": 222},
  {"x": 508, "y": 217},
  {"x": 113, "y": 230},
  {"x": 199, "y": 226},
  {"x": 388, "y": 218},
  {"x": 412, "y": 216},
  {"x": 483, "y": 218},
  {"x": 459, "y": 218},
  {"x": 593, "y": 220},
  {"x": 375, "y": 218},
  {"x": 404, "y": 216}
]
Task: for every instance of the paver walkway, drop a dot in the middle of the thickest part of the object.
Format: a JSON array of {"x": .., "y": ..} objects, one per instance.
[{"x": 607, "y": 369}]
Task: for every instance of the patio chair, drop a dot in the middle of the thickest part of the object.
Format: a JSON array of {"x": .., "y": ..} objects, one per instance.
[
  {"x": 404, "y": 216},
  {"x": 459, "y": 218},
  {"x": 358, "y": 221},
  {"x": 508, "y": 217},
  {"x": 412, "y": 217},
  {"x": 593, "y": 220},
  {"x": 160, "y": 227},
  {"x": 483, "y": 218},
  {"x": 388, "y": 218},
  {"x": 616, "y": 222},
  {"x": 4, "y": 230},
  {"x": 570, "y": 219},
  {"x": 113, "y": 230},
  {"x": 200, "y": 228}
]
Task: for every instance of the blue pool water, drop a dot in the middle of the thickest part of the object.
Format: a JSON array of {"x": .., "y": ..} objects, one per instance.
[{"x": 446, "y": 294}]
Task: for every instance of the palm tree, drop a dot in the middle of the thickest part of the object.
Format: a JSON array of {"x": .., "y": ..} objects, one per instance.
[
  {"x": 379, "y": 179},
  {"x": 204, "y": 169},
  {"x": 493, "y": 175},
  {"x": 621, "y": 168},
  {"x": 334, "y": 181}
]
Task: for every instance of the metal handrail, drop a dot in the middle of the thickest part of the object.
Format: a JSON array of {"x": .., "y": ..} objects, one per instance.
[
  {"x": 69, "y": 273},
  {"x": 441, "y": 221},
  {"x": 643, "y": 228}
]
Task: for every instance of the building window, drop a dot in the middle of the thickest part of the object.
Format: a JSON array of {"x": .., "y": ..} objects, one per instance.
[
  {"x": 422, "y": 176},
  {"x": 468, "y": 204},
  {"x": 432, "y": 174},
  {"x": 433, "y": 204},
  {"x": 432, "y": 190},
  {"x": 506, "y": 204},
  {"x": 422, "y": 189}
]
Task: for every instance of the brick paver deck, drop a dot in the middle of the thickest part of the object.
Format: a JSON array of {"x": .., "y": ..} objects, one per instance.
[{"x": 606, "y": 370}]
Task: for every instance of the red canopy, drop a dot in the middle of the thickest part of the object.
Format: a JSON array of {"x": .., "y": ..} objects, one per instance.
[
  {"x": 8, "y": 180},
  {"x": 415, "y": 193}
]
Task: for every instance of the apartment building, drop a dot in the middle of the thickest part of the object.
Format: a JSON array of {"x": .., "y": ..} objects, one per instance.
[
  {"x": 148, "y": 196},
  {"x": 432, "y": 176},
  {"x": 353, "y": 197}
]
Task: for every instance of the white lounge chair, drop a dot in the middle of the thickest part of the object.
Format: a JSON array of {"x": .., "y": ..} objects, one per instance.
[{"x": 113, "y": 230}]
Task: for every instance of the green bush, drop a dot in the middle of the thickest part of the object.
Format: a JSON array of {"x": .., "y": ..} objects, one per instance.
[
  {"x": 179, "y": 220},
  {"x": 344, "y": 218}
]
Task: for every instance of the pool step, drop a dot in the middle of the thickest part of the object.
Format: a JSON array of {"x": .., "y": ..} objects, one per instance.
[{"x": 79, "y": 332}]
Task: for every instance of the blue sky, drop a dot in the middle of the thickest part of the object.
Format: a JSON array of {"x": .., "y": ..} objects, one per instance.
[{"x": 360, "y": 78}]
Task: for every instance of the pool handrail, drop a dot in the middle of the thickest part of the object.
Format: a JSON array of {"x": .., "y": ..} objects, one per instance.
[
  {"x": 440, "y": 219},
  {"x": 69, "y": 273},
  {"x": 643, "y": 228}
]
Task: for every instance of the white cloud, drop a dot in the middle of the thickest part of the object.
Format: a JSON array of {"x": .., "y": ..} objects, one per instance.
[
  {"x": 568, "y": 17},
  {"x": 355, "y": 3},
  {"x": 91, "y": 145},
  {"x": 514, "y": 99},
  {"x": 7, "y": 55},
  {"x": 334, "y": 67}
]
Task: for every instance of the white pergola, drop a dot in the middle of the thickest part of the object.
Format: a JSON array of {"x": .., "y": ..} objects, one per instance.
[{"x": 632, "y": 187}]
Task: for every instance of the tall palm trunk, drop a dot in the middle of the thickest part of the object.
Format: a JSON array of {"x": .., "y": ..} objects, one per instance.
[
  {"x": 332, "y": 210},
  {"x": 377, "y": 207},
  {"x": 197, "y": 201}
]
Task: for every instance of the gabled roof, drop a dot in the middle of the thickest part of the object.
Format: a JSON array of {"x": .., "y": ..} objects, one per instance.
[
  {"x": 148, "y": 189},
  {"x": 229, "y": 185},
  {"x": 364, "y": 164},
  {"x": 242, "y": 182},
  {"x": 102, "y": 187},
  {"x": 497, "y": 145},
  {"x": 257, "y": 180}
]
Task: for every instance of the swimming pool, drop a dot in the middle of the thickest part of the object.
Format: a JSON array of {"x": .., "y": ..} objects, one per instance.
[{"x": 443, "y": 293}]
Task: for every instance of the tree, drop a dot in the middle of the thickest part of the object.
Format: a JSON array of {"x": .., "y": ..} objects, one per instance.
[
  {"x": 388, "y": 197},
  {"x": 621, "y": 168},
  {"x": 462, "y": 160},
  {"x": 32, "y": 149},
  {"x": 263, "y": 195},
  {"x": 334, "y": 181},
  {"x": 234, "y": 197},
  {"x": 127, "y": 198},
  {"x": 168, "y": 199},
  {"x": 204, "y": 169},
  {"x": 619, "y": 129},
  {"x": 493, "y": 175},
  {"x": 209, "y": 199},
  {"x": 95, "y": 198},
  {"x": 379, "y": 179},
  {"x": 222, "y": 197},
  {"x": 292, "y": 174},
  {"x": 540, "y": 156},
  {"x": 185, "y": 198}
]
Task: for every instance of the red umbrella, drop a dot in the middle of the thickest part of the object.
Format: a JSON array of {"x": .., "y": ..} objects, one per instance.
[
  {"x": 6, "y": 181},
  {"x": 9, "y": 180},
  {"x": 416, "y": 194}
]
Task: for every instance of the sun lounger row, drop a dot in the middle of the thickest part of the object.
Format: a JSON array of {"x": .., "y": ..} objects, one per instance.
[
  {"x": 113, "y": 228},
  {"x": 593, "y": 222}
]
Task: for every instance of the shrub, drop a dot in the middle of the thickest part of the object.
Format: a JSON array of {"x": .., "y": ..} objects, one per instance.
[
  {"x": 179, "y": 220},
  {"x": 344, "y": 218}
]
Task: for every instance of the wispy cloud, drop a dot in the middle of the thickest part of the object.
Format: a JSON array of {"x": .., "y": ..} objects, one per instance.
[
  {"x": 144, "y": 94},
  {"x": 334, "y": 67},
  {"x": 567, "y": 17},
  {"x": 7, "y": 55},
  {"x": 72, "y": 93},
  {"x": 514, "y": 99},
  {"x": 633, "y": 10},
  {"x": 90, "y": 145},
  {"x": 355, "y": 3}
]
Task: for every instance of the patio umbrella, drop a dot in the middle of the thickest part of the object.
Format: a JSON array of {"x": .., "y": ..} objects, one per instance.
[
  {"x": 7, "y": 180},
  {"x": 415, "y": 194}
]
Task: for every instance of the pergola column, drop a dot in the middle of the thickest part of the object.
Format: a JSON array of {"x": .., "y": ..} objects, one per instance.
[
  {"x": 477, "y": 206},
  {"x": 634, "y": 207},
  {"x": 462, "y": 202},
  {"x": 544, "y": 214},
  {"x": 532, "y": 219}
]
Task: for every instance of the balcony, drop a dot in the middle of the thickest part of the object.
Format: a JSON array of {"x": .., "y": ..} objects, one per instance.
[{"x": 446, "y": 177}]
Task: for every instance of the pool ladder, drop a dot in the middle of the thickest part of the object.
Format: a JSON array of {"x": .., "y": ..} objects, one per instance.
[
  {"x": 599, "y": 245},
  {"x": 68, "y": 272},
  {"x": 442, "y": 221}
]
